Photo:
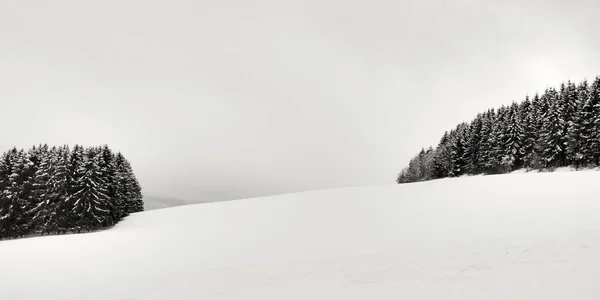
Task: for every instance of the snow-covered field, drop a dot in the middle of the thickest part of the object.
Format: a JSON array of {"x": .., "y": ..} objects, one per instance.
[{"x": 519, "y": 236}]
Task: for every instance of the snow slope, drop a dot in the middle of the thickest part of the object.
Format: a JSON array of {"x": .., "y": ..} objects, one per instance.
[{"x": 520, "y": 236}]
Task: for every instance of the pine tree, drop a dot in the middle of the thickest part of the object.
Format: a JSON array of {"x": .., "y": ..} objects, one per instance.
[
  {"x": 458, "y": 151},
  {"x": 108, "y": 170},
  {"x": 403, "y": 177},
  {"x": 486, "y": 152},
  {"x": 442, "y": 164},
  {"x": 541, "y": 106},
  {"x": 44, "y": 191},
  {"x": 558, "y": 128},
  {"x": 590, "y": 112},
  {"x": 132, "y": 189},
  {"x": 497, "y": 140},
  {"x": 137, "y": 203},
  {"x": 60, "y": 188},
  {"x": 568, "y": 103},
  {"x": 473, "y": 146},
  {"x": 71, "y": 219},
  {"x": 513, "y": 141},
  {"x": 19, "y": 192},
  {"x": 427, "y": 163},
  {"x": 551, "y": 140},
  {"x": 574, "y": 149},
  {"x": 122, "y": 191},
  {"x": 414, "y": 171},
  {"x": 420, "y": 165},
  {"x": 527, "y": 117},
  {"x": 91, "y": 207},
  {"x": 30, "y": 201},
  {"x": 41, "y": 207},
  {"x": 7, "y": 200},
  {"x": 594, "y": 119}
]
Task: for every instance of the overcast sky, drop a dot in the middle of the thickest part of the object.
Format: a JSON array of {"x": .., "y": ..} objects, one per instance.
[{"x": 215, "y": 100}]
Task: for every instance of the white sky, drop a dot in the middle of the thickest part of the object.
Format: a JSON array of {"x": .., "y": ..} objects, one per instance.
[{"x": 215, "y": 100}]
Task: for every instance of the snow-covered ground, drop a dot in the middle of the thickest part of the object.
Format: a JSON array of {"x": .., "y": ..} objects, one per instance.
[{"x": 519, "y": 236}]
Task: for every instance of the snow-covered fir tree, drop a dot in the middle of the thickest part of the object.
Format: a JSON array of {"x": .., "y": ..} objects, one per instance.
[
  {"x": 497, "y": 140},
  {"x": 41, "y": 200},
  {"x": 527, "y": 120},
  {"x": 442, "y": 163},
  {"x": 474, "y": 145},
  {"x": 458, "y": 151},
  {"x": 90, "y": 200},
  {"x": 569, "y": 102},
  {"x": 60, "y": 188},
  {"x": 131, "y": 189},
  {"x": 574, "y": 131},
  {"x": 550, "y": 137},
  {"x": 54, "y": 190},
  {"x": 513, "y": 141},
  {"x": 6, "y": 199},
  {"x": 554, "y": 129},
  {"x": 592, "y": 122},
  {"x": 486, "y": 149}
]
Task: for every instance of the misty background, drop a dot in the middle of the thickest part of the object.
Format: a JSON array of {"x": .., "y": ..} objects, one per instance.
[{"x": 219, "y": 100}]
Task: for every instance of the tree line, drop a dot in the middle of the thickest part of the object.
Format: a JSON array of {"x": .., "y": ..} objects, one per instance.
[
  {"x": 58, "y": 190},
  {"x": 559, "y": 128}
]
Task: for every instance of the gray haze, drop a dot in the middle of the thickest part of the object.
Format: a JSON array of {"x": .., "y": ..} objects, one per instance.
[{"x": 215, "y": 100}]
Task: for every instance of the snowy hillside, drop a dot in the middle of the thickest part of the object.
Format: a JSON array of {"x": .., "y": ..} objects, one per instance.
[{"x": 519, "y": 236}]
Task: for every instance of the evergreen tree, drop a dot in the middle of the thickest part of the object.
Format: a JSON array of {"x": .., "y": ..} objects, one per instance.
[
  {"x": 132, "y": 188},
  {"x": 486, "y": 152},
  {"x": 91, "y": 207},
  {"x": 41, "y": 207},
  {"x": 122, "y": 186},
  {"x": 137, "y": 202},
  {"x": 426, "y": 163},
  {"x": 420, "y": 168},
  {"x": 458, "y": 153},
  {"x": 415, "y": 168},
  {"x": 574, "y": 147},
  {"x": 551, "y": 140},
  {"x": 7, "y": 200},
  {"x": 19, "y": 192},
  {"x": 108, "y": 170},
  {"x": 594, "y": 120},
  {"x": 569, "y": 107},
  {"x": 60, "y": 189},
  {"x": 558, "y": 128},
  {"x": 527, "y": 118},
  {"x": 403, "y": 176},
  {"x": 45, "y": 191},
  {"x": 74, "y": 171},
  {"x": 541, "y": 106},
  {"x": 513, "y": 141},
  {"x": 474, "y": 145},
  {"x": 497, "y": 141},
  {"x": 442, "y": 164}
]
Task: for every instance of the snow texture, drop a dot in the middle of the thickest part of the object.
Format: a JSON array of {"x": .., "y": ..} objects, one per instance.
[{"x": 519, "y": 236}]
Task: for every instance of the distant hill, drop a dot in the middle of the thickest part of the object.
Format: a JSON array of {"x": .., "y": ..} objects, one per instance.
[{"x": 152, "y": 202}]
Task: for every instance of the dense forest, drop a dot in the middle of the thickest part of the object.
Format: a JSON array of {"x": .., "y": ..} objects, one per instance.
[
  {"x": 558, "y": 128},
  {"x": 58, "y": 190}
]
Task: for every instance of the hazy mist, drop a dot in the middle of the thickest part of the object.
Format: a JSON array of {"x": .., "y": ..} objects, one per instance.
[{"x": 217, "y": 100}]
